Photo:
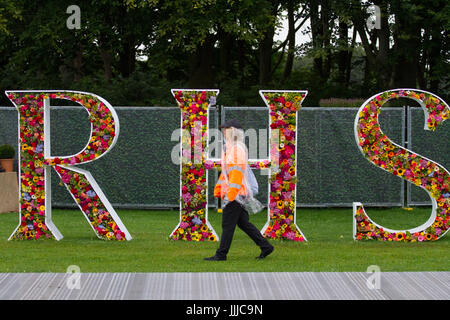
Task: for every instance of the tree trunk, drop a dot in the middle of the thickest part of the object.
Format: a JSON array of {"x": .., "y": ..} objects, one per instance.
[
  {"x": 265, "y": 56},
  {"x": 226, "y": 41},
  {"x": 435, "y": 57},
  {"x": 291, "y": 38},
  {"x": 383, "y": 58},
  {"x": 201, "y": 62},
  {"x": 127, "y": 56},
  {"x": 78, "y": 64},
  {"x": 107, "y": 63},
  {"x": 317, "y": 34},
  {"x": 349, "y": 59},
  {"x": 325, "y": 15},
  {"x": 407, "y": 47},
  {"x": 343, "y": 53}
]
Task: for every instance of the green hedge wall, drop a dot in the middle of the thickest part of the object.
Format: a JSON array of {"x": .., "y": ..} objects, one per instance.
[{"x": 138, "y": 171}]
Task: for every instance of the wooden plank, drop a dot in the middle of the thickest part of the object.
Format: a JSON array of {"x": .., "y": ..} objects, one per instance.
[{"x": 226, "y": 286}]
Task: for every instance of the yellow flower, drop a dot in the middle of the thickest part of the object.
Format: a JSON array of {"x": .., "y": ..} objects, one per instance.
[{"x": 399, "y": 236}]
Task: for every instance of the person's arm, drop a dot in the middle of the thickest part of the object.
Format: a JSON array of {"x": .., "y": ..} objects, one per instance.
[{"x": 217, "y": 188}]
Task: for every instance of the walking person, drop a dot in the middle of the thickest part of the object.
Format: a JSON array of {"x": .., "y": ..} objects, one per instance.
[{"x": 233, "y": 188}]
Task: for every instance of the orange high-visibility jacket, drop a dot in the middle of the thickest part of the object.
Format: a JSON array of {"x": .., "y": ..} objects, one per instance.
[{"x": 235, "y": 165}]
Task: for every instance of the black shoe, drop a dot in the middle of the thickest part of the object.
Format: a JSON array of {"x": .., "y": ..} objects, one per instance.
[
  {"x": 215, "y": 258},
  {"x": 265, "y": 252}
]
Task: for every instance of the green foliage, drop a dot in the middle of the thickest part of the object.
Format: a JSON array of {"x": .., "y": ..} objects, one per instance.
[
  {"x": 7, "y": 151},
  {"x": 9, "y": 11},
  {"x": 134, "y": 51}
]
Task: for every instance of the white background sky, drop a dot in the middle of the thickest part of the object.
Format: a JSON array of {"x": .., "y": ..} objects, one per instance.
[{"x": 299, "y": 37}]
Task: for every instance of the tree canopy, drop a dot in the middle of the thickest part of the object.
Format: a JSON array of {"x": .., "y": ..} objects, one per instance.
[{"x": 133, "y": 51}]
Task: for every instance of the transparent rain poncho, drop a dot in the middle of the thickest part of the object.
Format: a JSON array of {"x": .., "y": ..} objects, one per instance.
[{"x": 248, "y": 201}]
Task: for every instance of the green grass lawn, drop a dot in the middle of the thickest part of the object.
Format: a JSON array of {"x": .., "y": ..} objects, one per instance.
[{"x": 330, "y": 245}]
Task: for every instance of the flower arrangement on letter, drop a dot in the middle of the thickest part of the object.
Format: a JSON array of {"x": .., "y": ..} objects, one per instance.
[
  {"x": 90, "y": 204},
  {"x": 193, "y": 224},
  {"x": 283, "y": 117},
  {"x": 32, "y": 161},
  {"x": 424, "y": 173}
]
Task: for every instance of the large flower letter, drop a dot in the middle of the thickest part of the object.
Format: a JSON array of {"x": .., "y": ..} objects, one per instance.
[
  {"x": 35, "y": 163},
  {"x": 283, "y": 106},
  {"x": 194, "y": 225},
  {"x": 412, "y": 167}
]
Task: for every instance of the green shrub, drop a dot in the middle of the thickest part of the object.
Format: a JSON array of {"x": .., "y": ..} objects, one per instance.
[{"x": 7, "y": 151}]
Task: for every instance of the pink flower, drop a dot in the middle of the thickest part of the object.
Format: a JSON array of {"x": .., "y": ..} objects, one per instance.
[
  {"x": 183, "y": 225},
  {"x": 286, "y": 196},
  {"x": 187, "y": 197},
  {"x": 66, "y": 178},
  {"x": 420, "y": 238},
  {"x": 287, "y": 176},
  {"x": 288, "y": 151},
  {"x": 291, "y": 235},
  {"x": 209, "y": 164}
]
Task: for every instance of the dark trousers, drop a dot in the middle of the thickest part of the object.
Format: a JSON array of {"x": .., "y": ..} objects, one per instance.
[{"x": 234, "y": 214}]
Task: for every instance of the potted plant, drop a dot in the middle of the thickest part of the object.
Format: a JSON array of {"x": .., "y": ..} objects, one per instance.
[{"x": 7, "y": 153}]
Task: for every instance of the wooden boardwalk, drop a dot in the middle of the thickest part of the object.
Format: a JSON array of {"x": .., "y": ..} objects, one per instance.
[{"x": 225, "y": 286}]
